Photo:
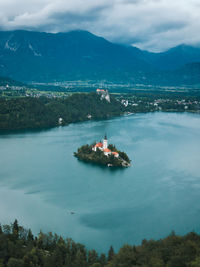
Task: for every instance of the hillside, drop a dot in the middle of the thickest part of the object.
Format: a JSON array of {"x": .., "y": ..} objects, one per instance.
[
  {"x": 189, "y": 74},
  {"x": 174, "y": 58},
  {"x": 28, "y": 56},
  {"x": 80, "y": 55},
  {"x": 4, "y": 81},
  {"x": 32, "y": 113}
]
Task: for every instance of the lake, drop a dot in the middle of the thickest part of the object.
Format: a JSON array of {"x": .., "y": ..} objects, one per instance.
[{"x": 41, "y": 183}]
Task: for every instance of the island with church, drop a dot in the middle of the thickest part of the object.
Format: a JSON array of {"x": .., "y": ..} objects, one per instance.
[{"x": 103, "y": 154}]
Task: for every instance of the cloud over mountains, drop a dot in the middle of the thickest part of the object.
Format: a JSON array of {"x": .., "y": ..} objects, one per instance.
[{"x": 154, "y": 25}]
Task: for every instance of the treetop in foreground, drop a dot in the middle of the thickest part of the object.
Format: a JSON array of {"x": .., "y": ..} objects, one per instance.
[{"x": 20, "y": 248}]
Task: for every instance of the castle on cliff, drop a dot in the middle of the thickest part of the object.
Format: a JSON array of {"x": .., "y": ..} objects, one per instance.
[{"x": 104, "y": 94}]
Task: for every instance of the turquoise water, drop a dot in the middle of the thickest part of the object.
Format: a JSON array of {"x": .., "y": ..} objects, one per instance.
[{"x": 41, "y": 182}]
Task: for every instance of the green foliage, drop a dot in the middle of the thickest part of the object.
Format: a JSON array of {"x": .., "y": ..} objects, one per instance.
[
  {"x": 4, "y": 81},
  {"x": 124, "y": 156},
  {"x": 31, "y": 113},
  {"x": 15, "y": 262},
  {"x": 102, "y": 259},
  {"x": 112, "y": 147},
  {"x": 96, "y": 265},
  {"x": 92, "y": 257},
  {"x": 15, "y": 229},
  {"x": 48, "y": 250},
  {"x": 111, "y": 254}
]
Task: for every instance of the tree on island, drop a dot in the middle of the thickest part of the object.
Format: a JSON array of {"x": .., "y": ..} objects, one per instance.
[{"x": 87, "y": 154}]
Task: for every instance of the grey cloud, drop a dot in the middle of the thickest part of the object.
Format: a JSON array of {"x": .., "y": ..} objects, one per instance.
[{"x": 149, "y": 24}]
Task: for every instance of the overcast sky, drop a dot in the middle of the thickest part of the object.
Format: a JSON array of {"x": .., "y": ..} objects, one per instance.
[{"x": 154, "y": 25}]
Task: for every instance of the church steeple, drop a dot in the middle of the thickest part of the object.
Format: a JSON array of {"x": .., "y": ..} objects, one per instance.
[{"x": 105, "y": 142}]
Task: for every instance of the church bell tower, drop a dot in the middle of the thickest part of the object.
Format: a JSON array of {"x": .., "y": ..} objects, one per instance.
[{"x": 105, "y": 142}]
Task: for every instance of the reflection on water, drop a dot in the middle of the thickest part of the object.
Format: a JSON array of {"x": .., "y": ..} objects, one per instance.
[{"x": 45, "y": 187}]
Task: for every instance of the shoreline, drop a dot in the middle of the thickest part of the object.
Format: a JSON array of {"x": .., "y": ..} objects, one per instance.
[{"x": 42, "y": 129}]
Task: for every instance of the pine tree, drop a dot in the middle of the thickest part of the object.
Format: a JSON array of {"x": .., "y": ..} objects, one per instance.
[
  {"x": 92, "y": 257},
  {"x": 15, "y": 229},
  {"x": 102, "y": 259},
  {"x": 30, "y": 235},
  {"x": 111, "y": 253}
]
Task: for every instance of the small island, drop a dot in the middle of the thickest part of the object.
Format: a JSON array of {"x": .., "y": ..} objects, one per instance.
[{"x": 103, "y": 154}]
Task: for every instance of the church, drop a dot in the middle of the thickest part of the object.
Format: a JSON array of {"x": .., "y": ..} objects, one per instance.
[{"x": 103, "y": 146}]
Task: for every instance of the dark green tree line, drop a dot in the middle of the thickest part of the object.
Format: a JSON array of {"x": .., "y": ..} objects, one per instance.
[
  {"x": 31, "y": 113},
  {"x": 19, "y": 248}
]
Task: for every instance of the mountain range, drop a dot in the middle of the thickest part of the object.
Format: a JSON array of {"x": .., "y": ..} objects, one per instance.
[{"x": 80, "y": 55}]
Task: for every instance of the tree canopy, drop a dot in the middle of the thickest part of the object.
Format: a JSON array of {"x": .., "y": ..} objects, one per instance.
[
  {"x": 19, "y": 248},
  {"x": 43, "y": 112}
]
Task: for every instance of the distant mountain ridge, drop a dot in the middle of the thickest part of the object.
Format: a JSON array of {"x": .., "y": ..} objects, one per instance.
[
  {"x": 80, "y": 55},
  {"x": 188, "y": 74},
  {"x": 5, "y": 81},
  {"x": 175, "y": 57}
]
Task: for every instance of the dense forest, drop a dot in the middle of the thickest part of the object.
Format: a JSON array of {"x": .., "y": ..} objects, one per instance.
[
  {"x": 42, "y": 112},
  {"x": 86, "y": 154},
  {"x": 20, "y": 248}
]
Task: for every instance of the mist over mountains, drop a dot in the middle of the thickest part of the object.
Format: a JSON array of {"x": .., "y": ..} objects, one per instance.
[{"x": 79, "y": 55}]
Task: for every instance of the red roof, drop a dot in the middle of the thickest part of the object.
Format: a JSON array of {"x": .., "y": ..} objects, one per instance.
[
  {"x": 100, "y": 90},
  {"x": 107, "y": 150},
  {"x": 115, "y": 153},
  {"x": 99, "y": 145}
]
